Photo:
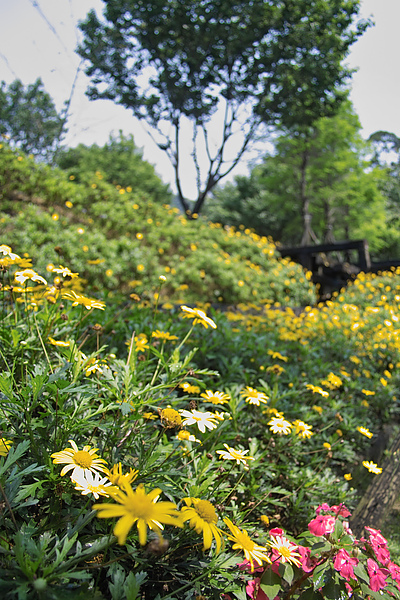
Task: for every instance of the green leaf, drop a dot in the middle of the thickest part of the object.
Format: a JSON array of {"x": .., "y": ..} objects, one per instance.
[
  {"x": 6, "y": 385},
  {"x": 310, "y": 594},
  {"x": 270, "y": 583},
  {"x": 338, "y": 531},
  {"x": 286, "y": 571},
  {"x": 13, "y": 455},
  {"x": 27, "y": 490},
  {"x": 361, "y": 572},
  {"x": 320, "y": 548},
  {"x": 240, "y": 594},
  {"x": 321, "y": 575},
  {"x": 132, "y": 584},
  {"x": 368, "y": 592},
  {"x": 335, "y": 589}
]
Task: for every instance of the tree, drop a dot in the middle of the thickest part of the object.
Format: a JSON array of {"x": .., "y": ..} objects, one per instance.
[
  {"x": 317, "y": 186},
  {"x": 179, "y": 64},
  {"x": 386, "y": 155},
  {"x": 28, "y": 117},
  {"x": 120, "y": 162}
]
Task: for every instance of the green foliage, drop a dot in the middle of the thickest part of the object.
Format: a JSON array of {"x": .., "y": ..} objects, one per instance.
[
  {"x": 29, "y": 118},
  {"x": 119, "y": 378},
  {"x": 321, "y": 172},
  {"x": 167, "y": 61},
  {"x": 120, "y": 240},
  {"x": 118, "y": 162},
  {"x": 386, "y": 156}
]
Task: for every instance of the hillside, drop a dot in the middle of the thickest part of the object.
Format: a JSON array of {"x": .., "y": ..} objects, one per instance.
[{"x": 119, "y": 239}]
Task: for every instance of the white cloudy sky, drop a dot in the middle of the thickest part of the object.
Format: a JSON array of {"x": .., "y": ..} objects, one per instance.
[{"x": 38, "y": 38}]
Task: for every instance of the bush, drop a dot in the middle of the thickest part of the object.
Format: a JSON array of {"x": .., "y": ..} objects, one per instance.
[{"x": 121, "y": 240}]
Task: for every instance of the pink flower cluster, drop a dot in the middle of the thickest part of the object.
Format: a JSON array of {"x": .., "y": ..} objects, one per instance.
[
  {"x": 378, "y": 565},
  {"x": 325, "y": 524},
  {"x": 344, "y": 563}
]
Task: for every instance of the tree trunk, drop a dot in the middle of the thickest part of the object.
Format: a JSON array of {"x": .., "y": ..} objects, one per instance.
[
  {"x": 308, "y": 234},
  {"x": 380, "y": 496},
  {"x": 329, "y": 238}
]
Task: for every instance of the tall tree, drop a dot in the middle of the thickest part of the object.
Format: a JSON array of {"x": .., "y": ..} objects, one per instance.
[
  {"x": 29, "y": 118},
  {"x": 119, "y": 161},
  {"x": 178, "y": 63},
  {"x": 386, "y": 154},
  {"x": 317, "y": 186}
]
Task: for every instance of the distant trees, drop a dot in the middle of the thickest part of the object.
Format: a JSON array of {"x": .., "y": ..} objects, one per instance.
[
  {"x": 317, "y": 186},
  {"x": 29, "y": 118},
  {"x": 178, "y": 63},
  {"x": 119, "y": 162}
]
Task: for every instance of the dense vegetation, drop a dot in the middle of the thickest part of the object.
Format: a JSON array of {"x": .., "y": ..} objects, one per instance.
[
  {"x": 229, "y": 429},
  {"x": 118, "y": 238}
]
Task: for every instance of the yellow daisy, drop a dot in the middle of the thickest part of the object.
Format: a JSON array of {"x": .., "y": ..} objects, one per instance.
[
  {"x": 92, "y": 484},
  {"x": 22, "y": 276},
  {"x": 64, "y": 271},
  {"x": 5, "y": 446},
  {"x": 280, "y": 425},
  {"x": 365, "y": 431},
  {"x": 286, "y": 550},
  {"x": 203, "y": 518},
  {"x": 198, "y": 316},
  {"x": 201, "y": 419},
  {"x": 372, "y": 467},
  {"x": 118, "y": 478},
  {"x": 79, "y": 299},
  {"x": 163, "y": 335},
  {"x": 141, "y": 342},
  {"x": 141, "y": 508},
  {"x": 58, "y": 342},
  {"x": 232, "y": 454},
  {"x": 317, "y": 390},
  {"x": 252, "y": 396},
  {"x": 79, "y": 461},
  {"x": 302, "y": 429},
  {"x": 253, "y": 552},
  {"x": 215, "y": 397},
  {"x": 170, "y": 418},
  {"x": 185, "y": 436}
]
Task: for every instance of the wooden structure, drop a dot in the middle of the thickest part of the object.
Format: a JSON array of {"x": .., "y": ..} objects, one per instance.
[{"x": 333, "y": 265}]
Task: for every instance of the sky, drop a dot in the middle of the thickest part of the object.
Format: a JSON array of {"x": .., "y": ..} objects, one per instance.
[{"x": 38, "y": 39}]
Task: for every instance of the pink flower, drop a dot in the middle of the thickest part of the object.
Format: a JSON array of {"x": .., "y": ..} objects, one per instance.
[
  {"x": 340, "y": 510},
  {"x": 255, "y": 592},
  {"x": 276, "y": 531},
  {"x": 378, "y": 544},
  {"x": 308, "y": 563},
  {"x": 394, "y": 571},
  {"x": 376, "y": 535},
  {"x": 344, "y": 563},
  {"x": 246, "y": 566},
  {"x": 323, "y": 507},
  {"x": 349, "y": 589},
  {"x": 322, "y": 525},
  {"x": 377, "y": 575}
]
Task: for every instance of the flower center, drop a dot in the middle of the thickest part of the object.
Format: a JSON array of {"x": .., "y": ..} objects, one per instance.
[
  {"x": 140, "y": 508},
  {"x": 83, "y": 459},
  {"x": 170, "y": 418},
  {"x": 206, "y": 511},
  {"x": 284, "y": 551}
]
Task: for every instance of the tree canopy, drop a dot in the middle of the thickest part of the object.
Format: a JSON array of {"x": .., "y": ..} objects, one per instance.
[
  {"x": 177, "y": 64},
  {"x": 119, "y": 162},
  {"x": 316, "y": 186},
  {"x": 29, "y": 118}
]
